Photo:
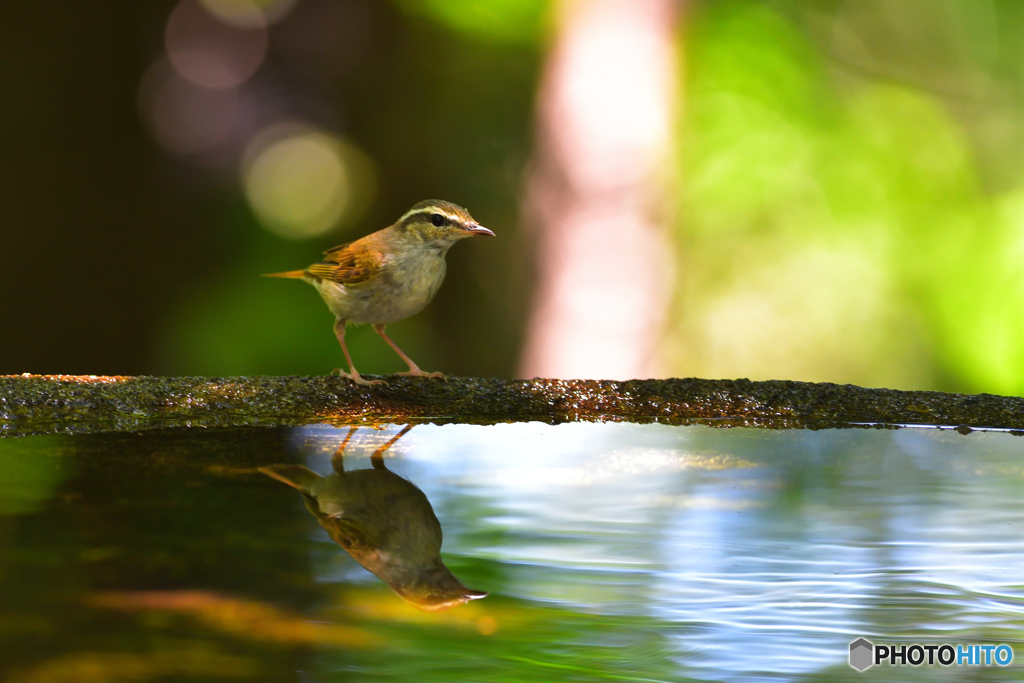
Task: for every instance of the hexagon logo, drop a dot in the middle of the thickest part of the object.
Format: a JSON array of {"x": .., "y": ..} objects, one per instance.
[{"x": 861, "y": 654}]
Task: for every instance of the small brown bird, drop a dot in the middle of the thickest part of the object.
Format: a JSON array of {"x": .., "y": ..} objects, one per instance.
[
  {"x": 384, "y": 522},
  {"x": 389, "y": 275}
]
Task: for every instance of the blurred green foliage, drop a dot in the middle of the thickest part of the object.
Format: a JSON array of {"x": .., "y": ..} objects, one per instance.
[
  {"x": 531, "y": 642},
  {"x": 30, "y": 471},
  {"x": 522, "y": 21},
  {"x": 836, "y": 225}
]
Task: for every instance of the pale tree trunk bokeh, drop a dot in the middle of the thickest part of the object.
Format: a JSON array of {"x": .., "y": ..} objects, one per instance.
[{"x": 598, "y": 195}]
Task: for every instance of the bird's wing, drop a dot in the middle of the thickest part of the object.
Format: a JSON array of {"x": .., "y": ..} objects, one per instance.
[
  {"x": 346, "y": 531},
  {"x": 350, "y": 264}
]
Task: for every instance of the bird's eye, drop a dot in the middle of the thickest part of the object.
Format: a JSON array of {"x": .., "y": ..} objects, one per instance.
[{"x": 438, "y": 220}]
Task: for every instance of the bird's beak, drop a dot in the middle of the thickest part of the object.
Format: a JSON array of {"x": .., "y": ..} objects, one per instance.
[{"x": 477, "y": 229}]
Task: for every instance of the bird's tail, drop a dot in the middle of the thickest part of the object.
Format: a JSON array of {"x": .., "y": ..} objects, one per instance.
[
  {"x": 296, "y": 476},
  {"x": 296, "y": 274}
]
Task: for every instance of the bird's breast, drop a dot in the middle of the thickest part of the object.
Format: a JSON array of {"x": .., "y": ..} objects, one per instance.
[{"x": 407, "y": 282}]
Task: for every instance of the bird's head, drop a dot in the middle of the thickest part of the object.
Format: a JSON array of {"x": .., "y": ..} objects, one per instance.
[
  {"x": 432, "y": 587},
  {"x": 440, "y": 222}
]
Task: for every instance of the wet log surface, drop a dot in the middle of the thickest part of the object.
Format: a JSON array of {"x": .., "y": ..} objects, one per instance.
[{"x": 64, "y": 404}]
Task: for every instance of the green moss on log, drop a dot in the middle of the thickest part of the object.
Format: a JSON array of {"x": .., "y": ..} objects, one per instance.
[{"x": 33, "y": 404}]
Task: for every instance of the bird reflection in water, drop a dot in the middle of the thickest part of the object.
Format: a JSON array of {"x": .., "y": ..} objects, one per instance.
[{"x": 384, "y": 522}]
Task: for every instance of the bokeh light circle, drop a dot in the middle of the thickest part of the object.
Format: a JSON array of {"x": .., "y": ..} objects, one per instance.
[
  {"x": 212, "y": 53},
  {"x": 184, "y": 117},
  {"x": 249, "y": 13},
  {"x": 302, "y": 182}
]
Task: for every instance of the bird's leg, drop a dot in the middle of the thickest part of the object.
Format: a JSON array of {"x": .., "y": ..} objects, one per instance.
[
  {"x": 414, "y": 370},
  {"x": 377, "y": 459},
  {"x": 338, "y": 460},
  {"x": 339, "y": 332}
]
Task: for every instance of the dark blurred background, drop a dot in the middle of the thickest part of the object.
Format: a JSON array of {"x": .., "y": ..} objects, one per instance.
[{"x": 784, "y": 189}]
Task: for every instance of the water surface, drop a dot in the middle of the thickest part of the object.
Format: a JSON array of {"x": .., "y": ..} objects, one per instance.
[{"x": 610, "y": 552}]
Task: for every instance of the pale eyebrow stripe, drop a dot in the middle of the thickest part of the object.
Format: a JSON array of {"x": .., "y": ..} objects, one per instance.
[{"x": 429, "y": 210}]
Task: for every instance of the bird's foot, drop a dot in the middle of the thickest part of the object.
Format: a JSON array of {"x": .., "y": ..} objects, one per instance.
[
  {"x": 416, "y": 372},
  {"x": 357, "y": 378}
]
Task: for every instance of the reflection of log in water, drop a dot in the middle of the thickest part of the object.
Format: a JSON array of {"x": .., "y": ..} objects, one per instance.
[{"x": 384, "y": 522}]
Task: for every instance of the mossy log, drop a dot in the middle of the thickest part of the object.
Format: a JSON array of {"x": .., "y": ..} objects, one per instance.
[{"x": 53, "y": 404}]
